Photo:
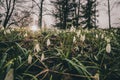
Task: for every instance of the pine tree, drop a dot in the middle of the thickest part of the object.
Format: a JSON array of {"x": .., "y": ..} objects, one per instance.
[
  {"x": 65, "y": 13},
  {"x": 89, "y": 14}
]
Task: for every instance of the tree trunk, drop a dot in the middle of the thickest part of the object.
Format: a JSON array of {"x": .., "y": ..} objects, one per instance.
[
  {"x": 95, "y": 16},
  {"x": 40, "y": 13},
  {"x": 109, "y": 14},
  {"x": 65, "y": 14},
  {"x": 78, "y": 14},
  {"x": 89, "y": 15}
]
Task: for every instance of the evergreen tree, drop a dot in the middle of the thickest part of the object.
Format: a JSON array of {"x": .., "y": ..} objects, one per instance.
[
  {"x": 89, "y": 14},
  {"x": 65, "y": 13}
]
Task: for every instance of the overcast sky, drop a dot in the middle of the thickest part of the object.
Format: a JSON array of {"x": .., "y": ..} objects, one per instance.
[{"x": 103, "y": 14}]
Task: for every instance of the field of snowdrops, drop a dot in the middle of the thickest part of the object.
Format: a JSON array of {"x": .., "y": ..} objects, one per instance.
[{"x": 60, "y": 54}]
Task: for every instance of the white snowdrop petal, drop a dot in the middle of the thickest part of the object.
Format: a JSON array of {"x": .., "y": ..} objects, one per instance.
[
  {"x": 102, "y": 36},
  {"x": 96, "y": 76},
  {"x": 72, "y": 29},
  {"x": 42, "y": 57},
  {"x": 78, "y": 33},
  {"x": 48, "y": 42},
  {"x": 74, "y": 39},
  {"x": 82, "y": 38},
  {"x": 8, "y": 31},
  {"x": 25, "y": 35},
  {"x": 37, "y": 48},
  {"x": 10, "y": 75},
  {"x": 29, "y": 59},
  {"x": 108, "y": 48},
  {"x": 108, "y": 40},
  {"x": 96, "y": 35}
]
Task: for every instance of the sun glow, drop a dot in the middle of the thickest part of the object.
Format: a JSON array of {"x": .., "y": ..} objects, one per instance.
[{"x": 34, "y": 28}]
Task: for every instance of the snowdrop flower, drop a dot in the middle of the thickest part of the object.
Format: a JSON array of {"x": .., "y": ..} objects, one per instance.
[
  {"x": 108, "y": 40},
  {"x": 7, "y": 31},
  {"x": 48, "y": 42},
  {"x": 86, "y": 30},
  {"x": 42, "y": 57},
  {"x": 37, "y": 48},
  {"x": 81, "y": 51},
  {"x": 74, "y": 39},
  {"x": 72, "y": 29},
  {"x": 12, "y": 29},
  {"x": 25, "y": 35},
  {"x": 10, "y": 75},
  {"x": 4, "y": 32},
  {"x": 82, "y": 38},
  {"x": 29, "y": 59},
  {"x": 96, "y": 36},
  {"x": 78, "y": 33},
  {"x": 2, "y": 28},
  {"x": 102, "y": 36},
  {"x": 108, "y": 48},
  {"x": 96, "y": 76},
  {"x": 77, "y": 48},
  {"x": 115, "y": 31}
]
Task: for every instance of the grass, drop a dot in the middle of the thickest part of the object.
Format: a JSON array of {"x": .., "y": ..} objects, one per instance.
[{"x": 59, "y": 54}]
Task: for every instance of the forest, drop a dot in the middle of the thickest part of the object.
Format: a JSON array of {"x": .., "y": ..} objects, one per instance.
[{"x": 59, "y": 40}]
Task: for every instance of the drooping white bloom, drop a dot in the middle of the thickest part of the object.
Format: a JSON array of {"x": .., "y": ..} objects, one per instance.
[
  {"x": 78, "y": 33},
  {"x": 10, "y": 75},
  {"x": 48, "y": 42},
  {"x": 102, "y": 36},
  {"x": 108, "y": 48},
  {"x": 82, "y": 38},
  {"x": 37, "y": 48},
  {"x": 86, "y": 31},
  {"x": 74, "y": 39},
  {"x": 12, "y": 29},
  {"x": 72, "y": 29},
  {"x": 42, "y": 57},
  {"x": 96, "y": 36},
  {"x": 2, "y": 28},
  {"x": 96, "y": 76},
  {"x": 115, "y": 30},
  {"x": 81, "y": 51},
  {"x": 4, "y": 32},
  {"x": 108, "y": 40},
  {"x": 7, "y": 31},
  {"x": 29, "y": 59},
  {"x": 25, "y": 35},
  {"x": 77, "y": 48}
]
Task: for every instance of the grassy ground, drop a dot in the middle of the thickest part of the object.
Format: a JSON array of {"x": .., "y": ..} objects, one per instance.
[{"x": 60, "y": 54}]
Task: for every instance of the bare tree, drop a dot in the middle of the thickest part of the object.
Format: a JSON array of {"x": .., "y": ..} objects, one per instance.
[
  {"x": 10, "y": 6},
  {"x": 40, "y": 6},
  {"x": 9, "y": 9},
  {"x": 21, "y": 19}
]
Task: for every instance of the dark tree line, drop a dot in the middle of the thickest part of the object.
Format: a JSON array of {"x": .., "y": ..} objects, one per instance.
[
  {"x": 75, "y": 13},
  {"x": 89, "y": 14}
]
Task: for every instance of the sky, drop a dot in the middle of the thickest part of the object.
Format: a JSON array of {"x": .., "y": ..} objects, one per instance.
[{"x": 103, "y": 14}]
